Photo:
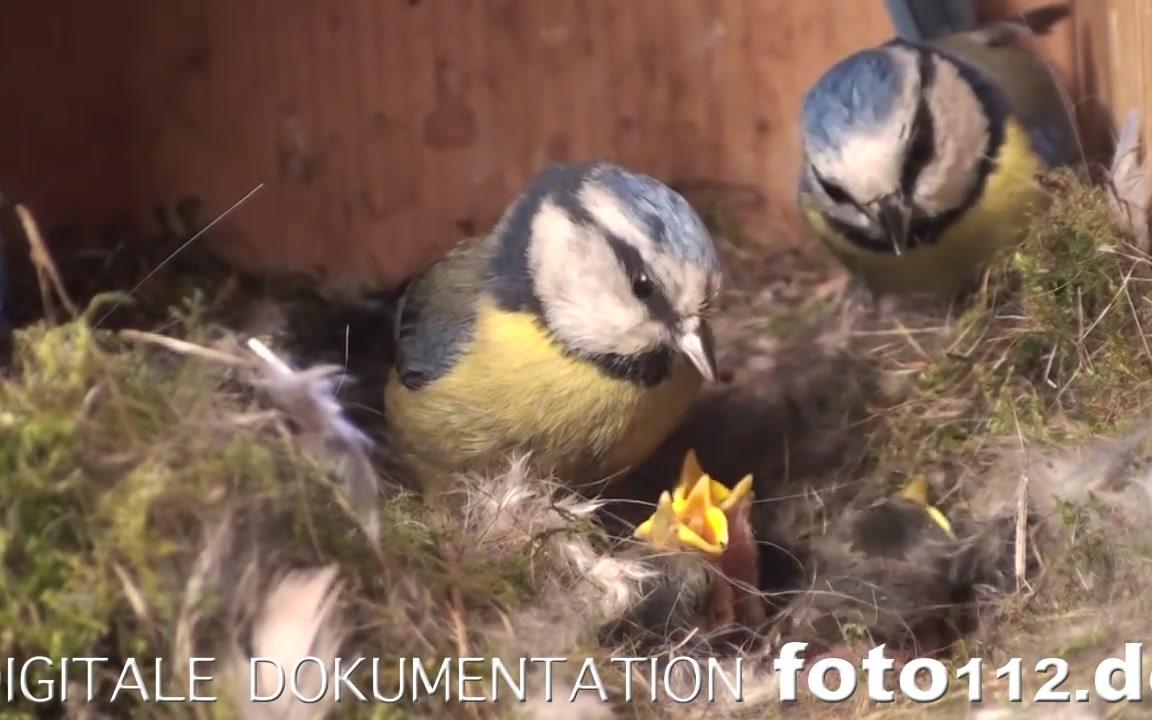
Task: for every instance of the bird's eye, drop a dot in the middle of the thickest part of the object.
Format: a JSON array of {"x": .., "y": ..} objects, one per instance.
[
  {"x": 836, "y": 193},
  {"x": 642, "y": 286}
]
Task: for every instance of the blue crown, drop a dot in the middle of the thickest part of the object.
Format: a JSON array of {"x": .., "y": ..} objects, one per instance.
[
  {"x": 858, "y": 92},
  {"x": 670, "y": 220}
]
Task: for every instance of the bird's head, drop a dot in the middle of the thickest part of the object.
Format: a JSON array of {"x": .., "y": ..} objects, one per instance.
[
  {"x": 895, "y": 137},
  {"x": 618, "y": 265}
]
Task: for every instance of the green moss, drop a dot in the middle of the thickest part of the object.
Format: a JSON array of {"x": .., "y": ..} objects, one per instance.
[
  {"x": 1090, "y": 563},
  {"x": 117, "y": 461},
  {"x": 1052, "y": 347}
]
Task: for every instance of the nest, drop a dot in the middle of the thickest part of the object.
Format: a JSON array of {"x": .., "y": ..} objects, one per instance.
[{"x": 174, "y": 494}]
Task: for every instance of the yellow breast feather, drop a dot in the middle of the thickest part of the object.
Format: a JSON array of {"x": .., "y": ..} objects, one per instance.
[{"x": 514, "y": 389}]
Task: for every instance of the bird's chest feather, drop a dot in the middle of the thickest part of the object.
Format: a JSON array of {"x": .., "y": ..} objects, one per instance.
[
  {"x": 515, "y": 389},
  {"x": 1010, "y": 192}
]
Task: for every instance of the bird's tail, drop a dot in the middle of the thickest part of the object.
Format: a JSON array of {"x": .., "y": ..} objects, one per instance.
[{"x": 923, "y": 20}]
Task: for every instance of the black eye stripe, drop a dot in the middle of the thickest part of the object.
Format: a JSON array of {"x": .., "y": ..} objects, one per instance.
[
  {"x": 922, "y": 145},
  {"x": 634, "y": 266},
  {"x": 628, "y": 256},
  {"x": 834, "y": 192}
]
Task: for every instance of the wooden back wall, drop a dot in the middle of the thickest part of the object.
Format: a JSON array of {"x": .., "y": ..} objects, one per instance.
[{"x": 384, "y": 130}]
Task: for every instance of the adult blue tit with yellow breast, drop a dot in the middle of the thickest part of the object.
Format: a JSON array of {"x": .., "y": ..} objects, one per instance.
[
  {"x": 922, "y": 156},
  {"x": 576, "y": 332}
]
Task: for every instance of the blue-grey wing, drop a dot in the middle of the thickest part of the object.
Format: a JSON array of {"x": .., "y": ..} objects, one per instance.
[
  {"x": 436, "y": 315},
  {"x": 1029, "y": 83},
  {"x": 1057, "y": 141}
]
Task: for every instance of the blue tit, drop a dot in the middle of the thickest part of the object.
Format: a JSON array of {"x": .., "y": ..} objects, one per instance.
[
  {"x": 575, "y": 332},
  {"x": 896, "y": 569},
  {"x": 922, "y": 156}
]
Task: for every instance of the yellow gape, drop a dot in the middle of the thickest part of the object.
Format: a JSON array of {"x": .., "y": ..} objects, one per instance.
[
  {"x": 695, "y": 515},
  {"x": 917, "y": 492}
]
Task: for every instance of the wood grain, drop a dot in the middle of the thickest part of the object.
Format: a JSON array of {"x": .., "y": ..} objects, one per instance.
[
  {"x": 388, "y": 129},
  {"x": 1114, "y": 64}
]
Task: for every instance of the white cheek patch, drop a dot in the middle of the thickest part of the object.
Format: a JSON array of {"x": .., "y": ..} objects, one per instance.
[
  {"x": 587, "y": 300},
  {"x": 961, "y": 131},
  {"x": 685, "y": 286},
  {"x": 866, "y": 167}
]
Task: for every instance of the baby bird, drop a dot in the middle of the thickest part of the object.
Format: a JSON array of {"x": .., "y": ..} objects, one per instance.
[
  {"x": 576, "y": 331},
  {"x": 922, "y": 155},
  {"x": 702, "y": 515},
  {"x": 894, "y": 570}
]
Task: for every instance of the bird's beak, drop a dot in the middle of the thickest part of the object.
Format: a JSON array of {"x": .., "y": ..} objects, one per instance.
[
  {"x": 893, "y": 215},
  {"x": 697, "y": 346}
]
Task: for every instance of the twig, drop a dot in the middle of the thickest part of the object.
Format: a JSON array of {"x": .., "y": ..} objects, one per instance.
[
  {"x": 46, "y": 269},
  {"x": 1136, "y": 316},
  {"x": 1048, "y": 368},
  {"x": 1020, "y": 564},
  {"x": 134, "y": 597},
  {"x": 205, "y": 568},
  {"x": 184, "y": 347},
  {"x": 1106, "y": 310},
  {"x": 459, "y": 623},
  {"x": 265, "y": 353},
  {"x": 344, "y": 376},
  {"x": 904, "y": 332},
  {"x": 460, "y": 628}
]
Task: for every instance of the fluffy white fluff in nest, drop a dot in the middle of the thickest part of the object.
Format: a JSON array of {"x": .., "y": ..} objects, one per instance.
[
  {"x": 579, "y": 585},
  {"x": 308, "y": 398},
  {"x": 517, "y": 510},
  {"x": 1128, "y": 183},
  {"x": 1116, "y": 471},
  {"x": 298, "y": 618}
]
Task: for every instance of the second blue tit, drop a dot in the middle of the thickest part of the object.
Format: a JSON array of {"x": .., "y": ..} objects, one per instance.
[{"x": 922, "y": 156}]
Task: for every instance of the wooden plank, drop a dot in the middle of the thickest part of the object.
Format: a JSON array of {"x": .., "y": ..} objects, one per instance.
[
  {"x": 388, "y": 129},
  {"x": 65, "y": 137},
  {"x": 1114, "y": 64}
]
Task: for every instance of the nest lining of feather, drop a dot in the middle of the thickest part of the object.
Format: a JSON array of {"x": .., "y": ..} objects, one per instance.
[{"x": 166, "y": 500}]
